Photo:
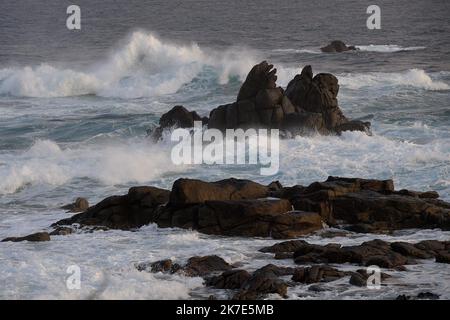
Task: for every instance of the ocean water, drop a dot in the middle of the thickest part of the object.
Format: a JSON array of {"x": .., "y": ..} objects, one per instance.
[{"x": 75, "y": 107}]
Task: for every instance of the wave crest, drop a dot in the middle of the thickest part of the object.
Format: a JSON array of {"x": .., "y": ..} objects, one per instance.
[{"x": 145, "y": 66}]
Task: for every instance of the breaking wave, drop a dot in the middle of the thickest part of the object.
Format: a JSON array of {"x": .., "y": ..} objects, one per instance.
[{"x": 145, "y": 66}]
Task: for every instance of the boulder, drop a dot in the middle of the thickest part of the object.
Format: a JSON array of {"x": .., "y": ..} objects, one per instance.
[
  {"x": 337, "y": 46},
  {"x": 375, "y": 252},
  {"x": 164, "y": 266},
  {"x": 35, "y": 237},
  {"x": 316, "y": 104},
  {"x": 80, "y": 205},
  {"x": 191, "y": 191},
  {"x": 177, "y": 117},
  {"x": 263, "y": 281},
  {"x": 201, "y": 266},
  {"x": 231, "y": 279}
]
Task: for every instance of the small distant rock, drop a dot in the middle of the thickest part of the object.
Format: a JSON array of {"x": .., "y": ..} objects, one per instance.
[
  {"x": 337, "y": 46},
  {"x": 35, "y": 237},
  {"x": 428, "y": 295},
  {"x": 80, "y": 205}
]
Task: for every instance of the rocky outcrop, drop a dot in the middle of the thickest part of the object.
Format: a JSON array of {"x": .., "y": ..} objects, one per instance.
[
  {"x": 132, "y": 210},
  {"x": 232, "y": 279},
  {"x": 235, "y": 207},
  {"x": 309, "y": 105},
  {"x": 177, "y": 117},
  {"x": 369, "y": 205},
  {"x": 375, "y": 252},
  {"x": 337, "y": 46},
  {"x": 230, "y": 207},
  {"x": 262, "y": 282},
  {"x": 35, "y": 237}
]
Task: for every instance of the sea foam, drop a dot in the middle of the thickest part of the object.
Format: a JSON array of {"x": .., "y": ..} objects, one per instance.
[{"x": 144, "y": 66}]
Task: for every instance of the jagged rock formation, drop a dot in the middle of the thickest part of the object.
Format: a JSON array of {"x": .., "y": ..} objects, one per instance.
[
  {"x": 337, "y": 46},
  {"x": 308, "y": 105}
]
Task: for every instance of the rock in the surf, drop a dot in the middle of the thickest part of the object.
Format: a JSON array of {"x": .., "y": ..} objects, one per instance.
[
  {"x": 337, "y": 46},
  {"x": 35, "y": 237}
]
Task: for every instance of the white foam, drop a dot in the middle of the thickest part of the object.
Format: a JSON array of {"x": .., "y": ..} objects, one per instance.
[
  {"x": 387, "y": 48},
  {"x": 416, "y": 78},
  {"x": 144, "y": 66},
  {"x": 46, "y": 163}
]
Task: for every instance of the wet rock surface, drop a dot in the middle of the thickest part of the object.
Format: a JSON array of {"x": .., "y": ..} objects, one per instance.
[
  {"x": 132, "y": 210},
  {"x": 80, "y": 205},
  {"x": 235, "y": 207},
  {"x": 376, "y": 252},
  {"x": 35, "y": 237},
  {"x": 308, "y": 105},
  {"x": 337, "y": 46}
]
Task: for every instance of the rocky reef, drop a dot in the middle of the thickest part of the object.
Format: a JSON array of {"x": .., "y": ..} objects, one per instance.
[
  {"x": 235, "y": 207},
  {"x": 308, "y": 105}
]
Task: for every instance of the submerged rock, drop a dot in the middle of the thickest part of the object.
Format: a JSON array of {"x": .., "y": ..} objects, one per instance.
[
  {"x": 80, "y": 205},
  {"x": 35, "y": 237},
  {"x": 337, "y": 46}
]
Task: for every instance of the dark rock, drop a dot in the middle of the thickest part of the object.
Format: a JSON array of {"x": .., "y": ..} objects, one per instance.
[
  {"x": 177, "y": 117},
  {"x": 80, "y": 205},
  {"x": 443, "y": 257},
  {"x": 358, "y": 280},
  {"x": 309, "y": 105},
  {"x": 61, "y": 231},
  {"x": 132, "y": 210},
  {"x": 428, "y": 295},
  {"x": 375, "y": 252},
  {"x": 35, "y": 237},
  {"x": 263, "y": 281},
  {"x": 403, "y": 297},
  {"x": 317, "y": 273},
  {"x": 164, "y": 266},
  {"x": 231, "y": 279},
  {"x": 285, "y": 246},
  {"x": 201, "y": 266},
  {"x": 191, "y": 191},
  {"x": 370, "y": 205},
  {"x": 410, "y": 250},
  {"x": 244, "y": 217},
  {"x": 337, "y": 46},
  {"x": 354, "y": 125}
]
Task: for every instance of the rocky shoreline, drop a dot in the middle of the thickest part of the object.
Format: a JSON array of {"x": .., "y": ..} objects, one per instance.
[{"x": 244, "y": 208}]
